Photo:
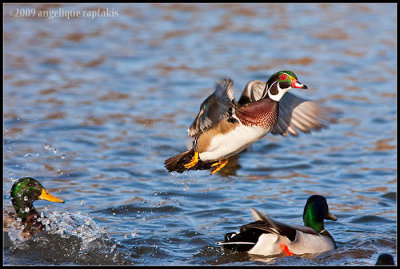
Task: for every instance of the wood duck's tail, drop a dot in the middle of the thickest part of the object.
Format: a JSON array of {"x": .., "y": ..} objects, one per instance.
[{"x": 177, "y": 162}]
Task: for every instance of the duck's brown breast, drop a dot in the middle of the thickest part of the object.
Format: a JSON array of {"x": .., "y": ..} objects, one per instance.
[{"x": 263, "y": 113}]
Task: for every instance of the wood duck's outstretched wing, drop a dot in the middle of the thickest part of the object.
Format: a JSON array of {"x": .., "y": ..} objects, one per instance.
[{"x": 219, "y": 105}]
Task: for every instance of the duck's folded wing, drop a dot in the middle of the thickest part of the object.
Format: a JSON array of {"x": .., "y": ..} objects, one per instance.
[
  {"x": 219, "y": 105},
  {"x": 279, "y": 226},
  {"x": 267, "y": 224},
  {"x": 242, "y": 241}
]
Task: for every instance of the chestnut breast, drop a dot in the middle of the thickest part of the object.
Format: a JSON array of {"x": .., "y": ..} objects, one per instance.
[{"x": 263, "y": 113}]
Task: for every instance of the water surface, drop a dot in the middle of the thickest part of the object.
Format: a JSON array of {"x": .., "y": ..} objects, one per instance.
[{"x": 93, "y": 107}]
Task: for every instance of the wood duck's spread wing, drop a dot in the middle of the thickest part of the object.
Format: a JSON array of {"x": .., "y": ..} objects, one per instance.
[
  {"x": 297, "y": 114},
  {"x": 219, "y": 105},
  {"x": 253, "y": 91}
]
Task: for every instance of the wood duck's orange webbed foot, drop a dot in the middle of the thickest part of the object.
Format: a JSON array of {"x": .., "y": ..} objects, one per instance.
[
  {"x": 219, "y": 164},
  {"x": 194, "y": 161},
  {"x": 285, "y": 250}
]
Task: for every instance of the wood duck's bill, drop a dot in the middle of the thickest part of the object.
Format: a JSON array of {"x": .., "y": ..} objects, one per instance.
[
  {"x": 49, "y": 197},
  {"x": 296, "y": 84}
]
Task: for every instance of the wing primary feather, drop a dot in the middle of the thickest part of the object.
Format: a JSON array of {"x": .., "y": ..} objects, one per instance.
[
  {"x": 219, "y": 105},
  {"x": 274, "y": 226}
]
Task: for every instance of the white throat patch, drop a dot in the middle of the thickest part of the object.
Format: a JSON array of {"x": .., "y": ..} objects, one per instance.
[{"x": 281, "y": 93}]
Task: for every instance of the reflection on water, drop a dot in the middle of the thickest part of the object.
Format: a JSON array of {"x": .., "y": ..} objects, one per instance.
[{"x": 95, "y": 105}]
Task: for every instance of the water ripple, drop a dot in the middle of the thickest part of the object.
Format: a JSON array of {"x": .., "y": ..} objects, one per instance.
[{"x": 92, "y": 110}]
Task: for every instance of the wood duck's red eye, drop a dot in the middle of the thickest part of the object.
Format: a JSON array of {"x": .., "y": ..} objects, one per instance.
[{"x": 283, "y": 77}]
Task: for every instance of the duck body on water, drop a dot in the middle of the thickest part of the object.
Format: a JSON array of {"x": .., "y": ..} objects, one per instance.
[{"x": 269, "y": 237}]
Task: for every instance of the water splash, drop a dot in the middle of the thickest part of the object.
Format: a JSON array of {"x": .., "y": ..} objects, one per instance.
[
  {"x": 50, "y": 148},
  {"x": 72, "y": 237},
  {"x": 13, "y": 235},
  {"x": 73, "y": 224},
  {"x": 64, "y": 224}
]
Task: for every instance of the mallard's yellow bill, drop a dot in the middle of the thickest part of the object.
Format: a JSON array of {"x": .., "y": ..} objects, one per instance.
[
  {"x": 331, "y": 216},
  {"x": 47, "y": 196}
]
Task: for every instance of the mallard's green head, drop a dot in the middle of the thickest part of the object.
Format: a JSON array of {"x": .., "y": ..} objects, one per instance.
[
  {"x": 315, "y": 211},
  {"x": 280, "y": 82},
  {"x": 24, "y": 192}
]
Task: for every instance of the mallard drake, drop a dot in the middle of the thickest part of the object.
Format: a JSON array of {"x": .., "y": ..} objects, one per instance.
[
  {"x": 268, "y": 237},
  {"x": 224, "y": 127},
  {"x": 23, "y": 193}
]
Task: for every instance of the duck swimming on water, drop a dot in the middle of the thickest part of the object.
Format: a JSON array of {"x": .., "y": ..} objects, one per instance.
[{"x": 269, "y": 237}]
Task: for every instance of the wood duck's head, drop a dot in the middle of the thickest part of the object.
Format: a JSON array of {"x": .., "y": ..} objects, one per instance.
[{"x": 279, "y": 83}]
